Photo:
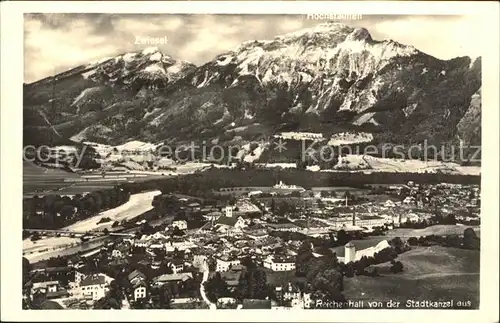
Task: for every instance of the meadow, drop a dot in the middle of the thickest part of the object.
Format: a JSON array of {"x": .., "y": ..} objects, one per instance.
[{"x": 430, "y": 273}]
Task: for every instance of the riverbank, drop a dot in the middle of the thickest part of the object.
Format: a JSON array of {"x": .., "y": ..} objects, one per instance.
[{"x": 46, "y": 248}]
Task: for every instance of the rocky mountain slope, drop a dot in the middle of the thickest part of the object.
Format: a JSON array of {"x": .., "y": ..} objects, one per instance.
[{"x": 327, "y": 79}]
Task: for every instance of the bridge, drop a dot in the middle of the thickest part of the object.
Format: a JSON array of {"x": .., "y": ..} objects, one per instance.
[{"x": 91, "y": 232}]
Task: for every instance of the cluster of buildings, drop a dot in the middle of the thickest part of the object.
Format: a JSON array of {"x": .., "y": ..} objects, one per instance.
[{"x": 248, "y": 229}]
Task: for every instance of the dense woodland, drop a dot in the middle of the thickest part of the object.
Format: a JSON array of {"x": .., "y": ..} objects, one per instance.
[
  {"x": 55, "y": 211},
  {"x": 199, "y": 184}
]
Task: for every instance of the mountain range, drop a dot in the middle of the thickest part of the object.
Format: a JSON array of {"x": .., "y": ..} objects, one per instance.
[{"x": 330, "y": 78}]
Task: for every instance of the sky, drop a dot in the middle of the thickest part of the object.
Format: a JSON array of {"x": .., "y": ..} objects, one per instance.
[{"x": 56, "y": 42}]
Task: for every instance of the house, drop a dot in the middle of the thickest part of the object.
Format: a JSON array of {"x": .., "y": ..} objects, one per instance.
[
  {"x": 136, "y": 276},
  {"x": 156, "y": 264},
  {"x": 283, "y": 227},
  {"x": 279, "y": 263},
  {"x": 307, "y": 301},
  {"x": 61, "y": 293},
  {"x": 177, "y": 265},
  {"x": 142, "y": 242},
  {"x": 78, "y": 278},
  {"x": 180, "y": 245},
  {"x": 166, "y": 278},
  {"x": 225, "y": 302},
  {"x": 370, "y": 221},
  {"x": 289, "y": 293},
  {"x": 120, "y": 251},
  {"x": 409, "y": 200},
  {"x": 224, "y": 265},
  {"x": 159, "y": 236},
  {"x": 350, "y": 252},
  {"x": 95, "y": 286},
  {"x": 45, "y": 287},
  {"x": 180, "y": 224},
  {"x": 257, "y": 232},
  {"x": 140, "y": 290},
  {"x": 194, "y": 207},
  {"x": 397, "y": 220},
  {"x": 389, "y": 203},
  {"x": 229, "y": 211},
  {"x": 199, "y": 261},
  {"x": 225, "y": 223},
  {"x": 212, "y": 216},
  {"x": 156, "y": 245}
]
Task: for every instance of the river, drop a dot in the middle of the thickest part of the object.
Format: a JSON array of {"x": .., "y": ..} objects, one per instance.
[{"x": 63, "y": 246}]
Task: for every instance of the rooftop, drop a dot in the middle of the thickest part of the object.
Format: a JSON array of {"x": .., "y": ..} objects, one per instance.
[
  {"x": 58, "y": 294},
  {"x": 51, "y": 305},
  {"x": 230, "y": 221},
  {"x": 45, "y": 284},
  {"x": 282, "y": 225},
  {"x": 136, "y": 273},
  {"x": 173, "y": 277},
  {"x": 93, "y": 280}
]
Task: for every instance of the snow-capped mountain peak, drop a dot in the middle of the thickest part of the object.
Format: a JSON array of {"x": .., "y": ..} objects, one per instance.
[{"x": 328, "y": 73}]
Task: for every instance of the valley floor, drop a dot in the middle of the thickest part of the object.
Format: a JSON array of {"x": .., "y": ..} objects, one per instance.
[{"x": 137, "y": 205}]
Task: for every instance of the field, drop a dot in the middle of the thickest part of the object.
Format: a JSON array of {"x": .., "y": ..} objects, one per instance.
[
  {"x": 430, "y": 273},
  {"x": 440, "y": 229},
  {"x": 45, "y": 181},
  {"x": 390, "y": 165}
]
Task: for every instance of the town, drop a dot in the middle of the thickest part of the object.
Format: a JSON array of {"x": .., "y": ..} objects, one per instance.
[{"x": 280, "y": 247}]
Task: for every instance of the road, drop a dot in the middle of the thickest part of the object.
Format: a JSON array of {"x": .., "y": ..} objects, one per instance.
[{"x": 211, "y": 305}]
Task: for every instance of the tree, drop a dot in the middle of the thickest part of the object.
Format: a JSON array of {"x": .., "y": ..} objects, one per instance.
[
  {"x": 371, "y": 271},
  {"x": 253, "y": 284},
  {"x": 35, "y": 236},
  {"x": 216, "y": 288},
  {"x": 26, "y": 270},
  {"x": 147, "y": 229},
  {"x": 413, "y": 241},
  {"x": 304, "y": 254},
  {"x": 343, "y": 237},
  {"x": 178, "y": 232},
  {"x": 396, "y": 267},
  {"x": 26, "y": 265},
  {"x": 283, "y": 209},
  {"x": 399, "y": 245},
  {"x": 212, "y": 264},
  {"x": 331, "y": 283},
  {"x": 470, "y": 239}
]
